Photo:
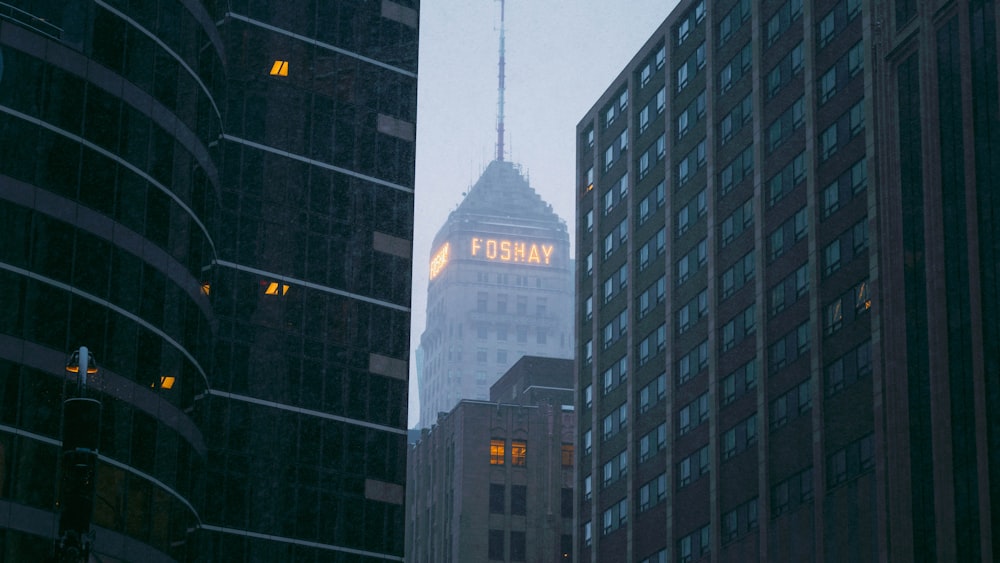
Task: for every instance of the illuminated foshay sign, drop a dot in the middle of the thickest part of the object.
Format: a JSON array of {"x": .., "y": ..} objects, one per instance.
[
  {"x": 440, "y": 260},
  {"x": 516, "y": 251}
]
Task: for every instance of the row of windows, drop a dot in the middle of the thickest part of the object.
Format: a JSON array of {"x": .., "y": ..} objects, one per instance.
[
  {"x": 652, "y": 393},
  {"x": 849, "y": 462},
  {"x": 782, "y": 183},
  {"x": 653, "y": 492},
  {"x": 733, "y": 20},
  {"x": 847, "y": 126},
  {"x": 851, "y": 183},
  {"x": 653, "y": 201},
  {"x": 689, "y": 21},
  {"x": 789, "y": 290},
  {"x": 692, "y": 414},
  {"x": 652, "y": 295},
  {"x": 695, "y": 545},
  {"x": 518, "y": 546},
  {"x": 788, "y": 348},
  {"x": 847, "y": 246},
  {"x": 789, "y": 405},
  {"x": 691, "y": 212},
  {"x": 792, "y": 492},
  {"x": 837, "y": 77},
  {"x": 691, "y": 468},
  {"x": 781, "y": 129},
  {"x": 691, "y": 312},
  {"x": 739, "y": 327},
  {"x": 691, "y": 115},
  {"x": 733, "y": 122},
  {"x": 691, "y": 262},
  {"x": 790, "y": 232},
  {"x": 651, "y": 155},
  {"x": 740, "y": 274},
  {"x": 654, "y": 107},
  {"x": 616, "y": 329},
  {"x": 836, "y": 314},
  {"x": 739, "y": 437},
  {"x": 850, "y": 367},
  {"x": 741, "y": 167},
  {"x": 692, "y": 363},
  {"x": 615, "y": 375},
  {"x": 837, "y": 18},
  {"x": 740, "y": 520},
  {"x": 782, "y": 20},
  {"x": 518, "y": 452},
  {"x": 614, "y": 469},
  {"x": 615, "y": 422},
  {"x": 740, "y": 382},
  {"x": 738, "y": 221},
  {"x": 518, "y": 499},
  {"x": 616, "y": 516},
  {"x": 735, "y": 69},
  {"x": 689, "y": 69},
  {"x": 784, "y": 71}
]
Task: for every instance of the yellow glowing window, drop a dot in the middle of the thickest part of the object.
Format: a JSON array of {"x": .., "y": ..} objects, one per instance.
[
  {"x": 167, "y": 382},
  {"x": 274, "y": 288},
  {"x": 206, "y": 288},
  {"x": 567, "y": 455},
  {"x": 439, "y": 261},
  {"x": 496, "y": 452},
  {"x": 279, "y": 68},
  {"x": 518, "y": 452}
]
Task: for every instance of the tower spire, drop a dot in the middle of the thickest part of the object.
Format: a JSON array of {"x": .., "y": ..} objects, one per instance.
[{"x": 500, "y": 88}]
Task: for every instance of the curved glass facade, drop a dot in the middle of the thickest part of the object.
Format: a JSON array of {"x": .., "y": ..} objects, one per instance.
[
  {"x": 218, "y": 202},
  {"x": 108, "y": 191}
]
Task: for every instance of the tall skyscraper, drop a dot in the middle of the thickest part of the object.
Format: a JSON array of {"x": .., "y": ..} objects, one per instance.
[
  {"x": 799, "y": 367},
  {"x": 108, "y": 187},
  {"x": 500, "y": 287},
  {"x": 218, "y": 201}
]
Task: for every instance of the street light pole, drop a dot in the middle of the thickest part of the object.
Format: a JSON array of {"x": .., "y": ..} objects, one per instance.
[{"x": 81, "y": 423}]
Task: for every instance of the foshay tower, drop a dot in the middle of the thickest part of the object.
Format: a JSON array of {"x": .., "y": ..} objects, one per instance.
[{"x": 500, "y": 285}]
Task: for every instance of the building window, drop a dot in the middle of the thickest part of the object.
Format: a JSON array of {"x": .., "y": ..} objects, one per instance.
[
  {"x": 496, "y": 545},
  {"x": 518, "y": 500},
  {"x": 826, "y": 27},
  {"x": 567, "y": 455},
  {"x": 518, "y": 452},
  {"x": 497, "y": 451},
  {"x": 496, "y": 498},
  {"x": 518, "y": 548}
]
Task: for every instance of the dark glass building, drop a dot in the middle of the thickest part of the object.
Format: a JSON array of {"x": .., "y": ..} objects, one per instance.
[
  {"x": 799, "y": 368},
  {"x": 307, "y": 410},
  {"x": 109, "y": 185},
  {"x": 217, "y": 200}
]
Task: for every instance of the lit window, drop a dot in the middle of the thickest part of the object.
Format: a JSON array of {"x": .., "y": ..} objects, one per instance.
[
  {"x": 279, "y": 68},
  {"x": 567, "y": 455},
  {"x": 206, "y": 288},
  {"x": 167, "y": 382},
  {"x": 274, "y": 288},
  {"x": 518, "y": 452},
  {"x": 496, "y": 452}
]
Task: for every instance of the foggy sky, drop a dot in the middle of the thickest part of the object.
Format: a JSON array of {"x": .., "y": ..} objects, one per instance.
[{"x": 561, "y": 55}]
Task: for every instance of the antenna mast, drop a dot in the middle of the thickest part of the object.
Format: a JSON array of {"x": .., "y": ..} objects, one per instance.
[{"x": 501, "y": 88}]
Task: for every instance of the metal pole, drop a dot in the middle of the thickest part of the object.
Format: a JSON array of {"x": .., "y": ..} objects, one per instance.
[{"x": 80, "y": 437}]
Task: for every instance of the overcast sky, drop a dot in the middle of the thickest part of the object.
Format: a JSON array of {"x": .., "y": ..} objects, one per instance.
[{"x": 561, "y": 56}]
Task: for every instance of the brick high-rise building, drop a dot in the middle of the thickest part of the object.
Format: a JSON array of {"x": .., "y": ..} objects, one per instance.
[{"x": 787, "y": 287}]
